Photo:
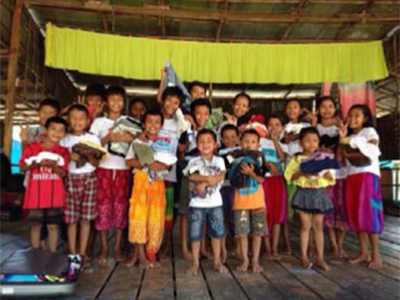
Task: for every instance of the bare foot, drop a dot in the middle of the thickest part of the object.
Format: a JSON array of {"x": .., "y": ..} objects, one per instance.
[
  {"x": 306, "y": 263},
  {"x": 102, "y": 258},
  {"x": 273, "y": 256},
  {"x": 342, "y": 254},
  {"x": 131, "y": 261},
  {"x": 287, "y": 252},
  {"x": 187, "y": 255},
  {"x": 193, "y": 270},
  {"x": 144, "y": 264},
  {"x": 256, "y": 268},
  {"x": 376, "y": 263},
  {"x": 153, "y": 264},
  {"x": 335, "y": 253},
  {"x": 243, "y": 267},
  {"x": 119, "y": 256},
  {"x": 323, "y": 265},
  {"x": 221, "y": 268},
  {"x": 364, "y": 257}
]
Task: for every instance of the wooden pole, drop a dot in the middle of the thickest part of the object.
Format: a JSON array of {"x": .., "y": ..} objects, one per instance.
[{"x": 12, "y": 75}]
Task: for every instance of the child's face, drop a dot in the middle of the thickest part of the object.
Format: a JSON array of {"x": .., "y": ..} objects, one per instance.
[
  {"x": 240, "y": 107},
  {"x": 197, "y": 92},
  {"x": 206, "y": 144},
  {"x": 201, "y": 115},
  {"x": 170, "y": 106},
  {"x": 78, "y": 120},
  {"x": 115, "y": 103},
  {"x": 250, "y": 142},
  {"x": 45, "y": 112},
  {"x": 55, "y": 132},
  {"x": 94, "y": 101},
  {"x": 152, "y": 125},
  {"x": 275, "y": 126},
  {"x": 327, "y": 109},
  {"x": 310, "y": 142},
  {"x": 230, "y": 138},
  {"x": 138, "y": 110},
  {"x": 356, "y": 118},
  {"x": 293, "y": 110}
]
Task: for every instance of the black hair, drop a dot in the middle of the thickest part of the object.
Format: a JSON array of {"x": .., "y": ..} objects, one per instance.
[
  {"x": 293, "y": 100},
  {"x": 250, "y": 131},
  {"x": 320, "y": 100},
  {"x": 206, "y": 131},
  {"x": 173, "y": 91},
  {"x": 200, "y": 102},
  {"x": 50, "y": 102},
  {"x": 367, "y": 114},
  {"x": 197, "y": 83},
  {"x": 154, "y": 112},
  {"x": 137, "y": 100},
  {"x": 56, "y": 120},
  {"x": 96, "y": 89},
  {"x": 308, "y": 130},
  {"x": 274, "y": 116},
  {"x": 229, "y": 127},
  {"x": 116, "y": 90},
  {"x": 78, "y": 107},
  {"x": 242, "y": 94}
]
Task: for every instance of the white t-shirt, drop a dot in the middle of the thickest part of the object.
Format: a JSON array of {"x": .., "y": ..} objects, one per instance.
[
  {"x": 330, "y": 131},
  {"x": 205, "y": 167},
  {"x": 267, "y": 147},
  {"x": 294, "y": 146},
  {"x": 170, "y": 131},
  {"x": 369, "y": 134},
  {"x": 69, "y": 141},
  {"x": 101, "y": 127}
]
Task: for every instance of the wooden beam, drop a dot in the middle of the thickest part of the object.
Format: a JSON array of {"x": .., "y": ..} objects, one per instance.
[
  {"x": 342, "y": 2},
  {"x": 105, "y": 22},
  {"x": 224, "y": 14},
  {"x": 233, "y": 17},
  {"x": 12, "y": 75}
]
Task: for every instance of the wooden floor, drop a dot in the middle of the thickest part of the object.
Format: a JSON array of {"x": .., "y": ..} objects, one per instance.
[{"x": 281, "y": 280}]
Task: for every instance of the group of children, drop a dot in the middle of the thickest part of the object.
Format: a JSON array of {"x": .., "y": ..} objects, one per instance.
[{"x": 239, "y": 178}]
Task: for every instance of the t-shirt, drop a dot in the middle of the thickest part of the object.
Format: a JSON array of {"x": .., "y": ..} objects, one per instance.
[
  {"x": 271, "y": 155},
  {"x": 294, "y": 146},
  {"x": 330, "y": 131},
  {"x": 369, "y": 134},
  {"x": 45, "y": 188},
  {"x": 206, "y": 167},
  {"x": 171, "y": 133},
  {"x": 69, "y": 141},
  {"x": 101, "y": 127}
]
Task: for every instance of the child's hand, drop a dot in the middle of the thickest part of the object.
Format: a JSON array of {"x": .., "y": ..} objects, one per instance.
[
  {"x": 273, "y": 135},
  {"x": 310, "y": 116},
  {"x": 199, "y": 188},
  {"x": 75, "y": 156},
  {"x": 231, "y": 119},
  {"x": 157, "y": 166},
  {"x": 273, "y": 168},
  {"x": 247, "y": 169},
  {"x": 126, "y": 137},
  {"x": 190, "y": 119},
  {"x": 142, "y": 136},
  {"x": 212, "y": 180},
  {"x": 343, "y": 129},
  {"x": 328, "y": 176},
  {"x": 48, "y": 163}
]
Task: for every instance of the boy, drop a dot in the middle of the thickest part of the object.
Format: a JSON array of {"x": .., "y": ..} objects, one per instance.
[
  {"x": 207, "y": 172},
  {"x": 95, "y": 98},
  {"x": 112, "y": 176},
  {"x": 137, "y": 109},
  {"x": 81, "y": 182},
  {"x": 201, "y": 111},
  {"x": 44, "y": 197},
  {"x": 249, "y": 207}
]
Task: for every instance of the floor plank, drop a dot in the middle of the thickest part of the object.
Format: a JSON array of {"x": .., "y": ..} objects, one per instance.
[{"x": 158, "y": 284}]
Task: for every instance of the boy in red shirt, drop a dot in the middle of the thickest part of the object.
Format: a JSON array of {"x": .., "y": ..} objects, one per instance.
[{"x": 47, "y": 162}]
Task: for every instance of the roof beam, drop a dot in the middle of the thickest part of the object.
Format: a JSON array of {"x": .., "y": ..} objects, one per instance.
[
  {"x": 347, "y": 2},
  {"x": 224, "y": 14},
  {"x": 234, "y": 17}
]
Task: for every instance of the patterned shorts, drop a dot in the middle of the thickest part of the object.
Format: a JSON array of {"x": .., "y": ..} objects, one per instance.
[
  {"x": 81, "y": 199},
  {"x": 253, "y": 221}
]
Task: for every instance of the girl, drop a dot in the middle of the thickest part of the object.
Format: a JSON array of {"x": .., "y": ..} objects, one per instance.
[
  {"x": 363, "y": 195},
  {"x": 311, "y": 199},
  {"x": 274, "y": 183},
  {"x": 337, "y": 220},
  {"x": 240, "y": 108}
]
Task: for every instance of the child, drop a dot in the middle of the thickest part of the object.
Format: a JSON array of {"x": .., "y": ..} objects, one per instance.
[
  {"x": 197, "y": 90},
  {"x": 137, "y": 109},
  {"x": 81, "y": 182},
  {"x": 311, "y": 199},
  {"x": 95, "y": 98},
  {"x": 240, "y": 107},
  {"x": 363, "y": 195},
  {"x": 249, "y": 207},
  {"x": 147, "y": 203},
  {"x": 208, "y": 172},
  {"x": 44, "y": 198},
  {"x": 274, "y": 183},
  {"x": 112, "y": 176},
  {"x": 201, "y": 111},
  {"x": 336, "y": 221}
]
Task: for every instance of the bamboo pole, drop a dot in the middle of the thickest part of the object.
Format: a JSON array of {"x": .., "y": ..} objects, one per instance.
[{"x": 12, "y": 75}]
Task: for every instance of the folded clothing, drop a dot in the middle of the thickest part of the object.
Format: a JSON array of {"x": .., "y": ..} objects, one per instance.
[
  {"x": 129, "y": 125},
  {"x": 317, "y": 165},
  {"x": 85, "y": 149},
  {"x": 45, "y": 156}
]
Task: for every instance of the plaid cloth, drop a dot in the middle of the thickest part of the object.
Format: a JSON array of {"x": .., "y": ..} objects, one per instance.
[{"x": 81, "y": 199}]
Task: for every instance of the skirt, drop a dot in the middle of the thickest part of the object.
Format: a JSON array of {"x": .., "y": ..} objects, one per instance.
[
  {"x": 275, "y": 200},
  {"x": 338, "y": 217},
  {"x": 364, "y": 203},
  {"x": 312, "y": 200}
]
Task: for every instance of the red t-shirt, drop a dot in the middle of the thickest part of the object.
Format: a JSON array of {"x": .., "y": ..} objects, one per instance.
[{"x": 45, "y": 188}]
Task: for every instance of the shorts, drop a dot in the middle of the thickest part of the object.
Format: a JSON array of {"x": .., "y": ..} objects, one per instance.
[
  {"x": 81, "y": 200},
  {"x": 253, "y": 221},
  {"x": 48, "y": 216},
  {"x": 214, "y": 217}
]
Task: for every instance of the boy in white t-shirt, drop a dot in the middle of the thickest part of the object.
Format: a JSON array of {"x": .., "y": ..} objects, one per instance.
[
  {"x": 112, "y": 176},
  {"x": 80, "y": 206},
  {"x": 207, "y": 172}
]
